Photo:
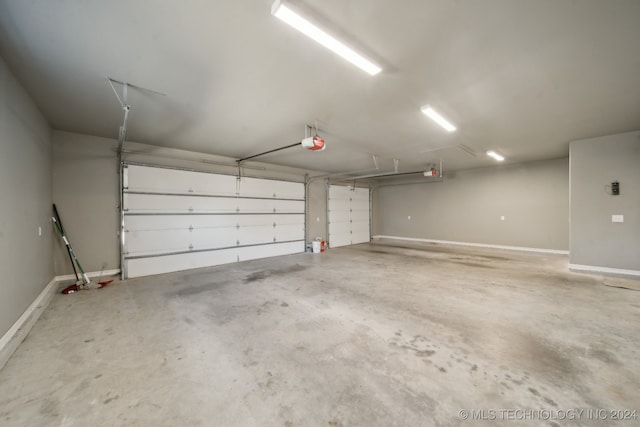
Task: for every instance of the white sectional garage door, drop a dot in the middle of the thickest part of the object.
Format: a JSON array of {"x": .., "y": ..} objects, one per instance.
[
  {"x": 178, "y": 220},
  {"x": 348, "y": 213}
]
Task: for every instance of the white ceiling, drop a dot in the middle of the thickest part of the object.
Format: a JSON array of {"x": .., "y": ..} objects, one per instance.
[{"x": 521, "y": 77}]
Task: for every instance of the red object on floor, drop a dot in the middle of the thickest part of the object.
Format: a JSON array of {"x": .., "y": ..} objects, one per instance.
[
  {"x": 70, "y": 289},
  {"x": 103, "y": 284}
]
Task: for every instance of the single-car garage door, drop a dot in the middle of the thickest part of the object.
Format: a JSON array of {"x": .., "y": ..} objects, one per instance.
[
  {"x": 177, "y": 219},
  {"x": 348, "y": 213}
]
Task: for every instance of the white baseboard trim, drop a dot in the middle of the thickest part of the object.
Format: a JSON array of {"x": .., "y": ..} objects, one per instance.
[
  {"x": 104, "y": 273},
  {"x": 18, "y": 332},
  {"x": 607, "y": 270},
  {"x": 21, "y": 328},
  {"x": 477, "y": 245}
]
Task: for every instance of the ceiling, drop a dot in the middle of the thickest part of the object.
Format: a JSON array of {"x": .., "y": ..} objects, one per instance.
[{"x": 520, "y": 77}]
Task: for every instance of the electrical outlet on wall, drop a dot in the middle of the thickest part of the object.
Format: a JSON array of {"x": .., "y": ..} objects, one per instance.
[
  {"x": 617, "y": 218},
  {"x": 39, "y": 231}
]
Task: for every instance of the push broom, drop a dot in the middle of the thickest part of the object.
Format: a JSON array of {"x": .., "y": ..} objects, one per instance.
[
  {"x": 84, "y": 282},
  {"x": 73, "y": 264}
]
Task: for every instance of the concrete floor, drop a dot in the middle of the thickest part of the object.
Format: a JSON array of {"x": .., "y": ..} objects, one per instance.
[{"x": 376, "y": 334}]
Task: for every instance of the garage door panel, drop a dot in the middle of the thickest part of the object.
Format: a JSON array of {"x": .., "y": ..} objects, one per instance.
[
  {"x": 360, "y": 196},
  {"x": 154, "y": 203},
  {"x": 289, "y": 232},
  {"x": 265, "y": 188},
  {"x": 360, "y": 216},
  {"x": 336, "y": 217},
  {"x": 185, "y": 221},
  {"x": 256, "y": 220},
  {"x": 166, "y": 264},
  {"x": 296, "y": 219},
  {"x": 278, "y": 249},
  {"x": 348, "y": 215},
  {"x": 270, "y": 219},
  {"x": 138, "y": 243},
  {"x": 157, "y": 203},
  {"x": 154, "y": 242},
  {"x": 338, "y": 228},
  {"x": 270, "y": 206},
  {"x": 362, "y": 237},
  {"x": 360, "y": 231},
  {"x": 360, "y": 227},
  {"x": 340, "y": 240},
  {"x": 340, "y": 205},
  {"x": 256, "y": 234},
  {"x": 177, "y": 220},
  {"x": 339, "y": 216},
  {"x": 338, "y": 192},
  {"x": 162, "y": 180}
]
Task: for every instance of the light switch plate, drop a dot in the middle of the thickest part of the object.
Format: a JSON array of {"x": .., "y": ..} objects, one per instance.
[{"x": 617, "y": 218}]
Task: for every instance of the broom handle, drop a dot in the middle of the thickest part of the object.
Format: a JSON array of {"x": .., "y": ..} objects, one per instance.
[{"x": 61, "y": 230}]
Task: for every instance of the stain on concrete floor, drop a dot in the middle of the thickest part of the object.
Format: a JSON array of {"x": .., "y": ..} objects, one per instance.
[{"x": 264, "y": 274}]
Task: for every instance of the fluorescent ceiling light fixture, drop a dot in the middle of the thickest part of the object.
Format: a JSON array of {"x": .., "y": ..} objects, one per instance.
[
  {"x": 495, "y": 155},
  {"x": 436, "y": 117},
  {"x": 285, "y": 14}
]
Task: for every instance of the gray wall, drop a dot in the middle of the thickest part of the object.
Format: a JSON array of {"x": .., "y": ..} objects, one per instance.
[
  {"x": 317, "y": 208},
  {"x": 595, "y": 163},
  {"x": 25, "y": 195},
  {"x": 86, "y": 191},
  {"x": 467, "y": 206}
]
